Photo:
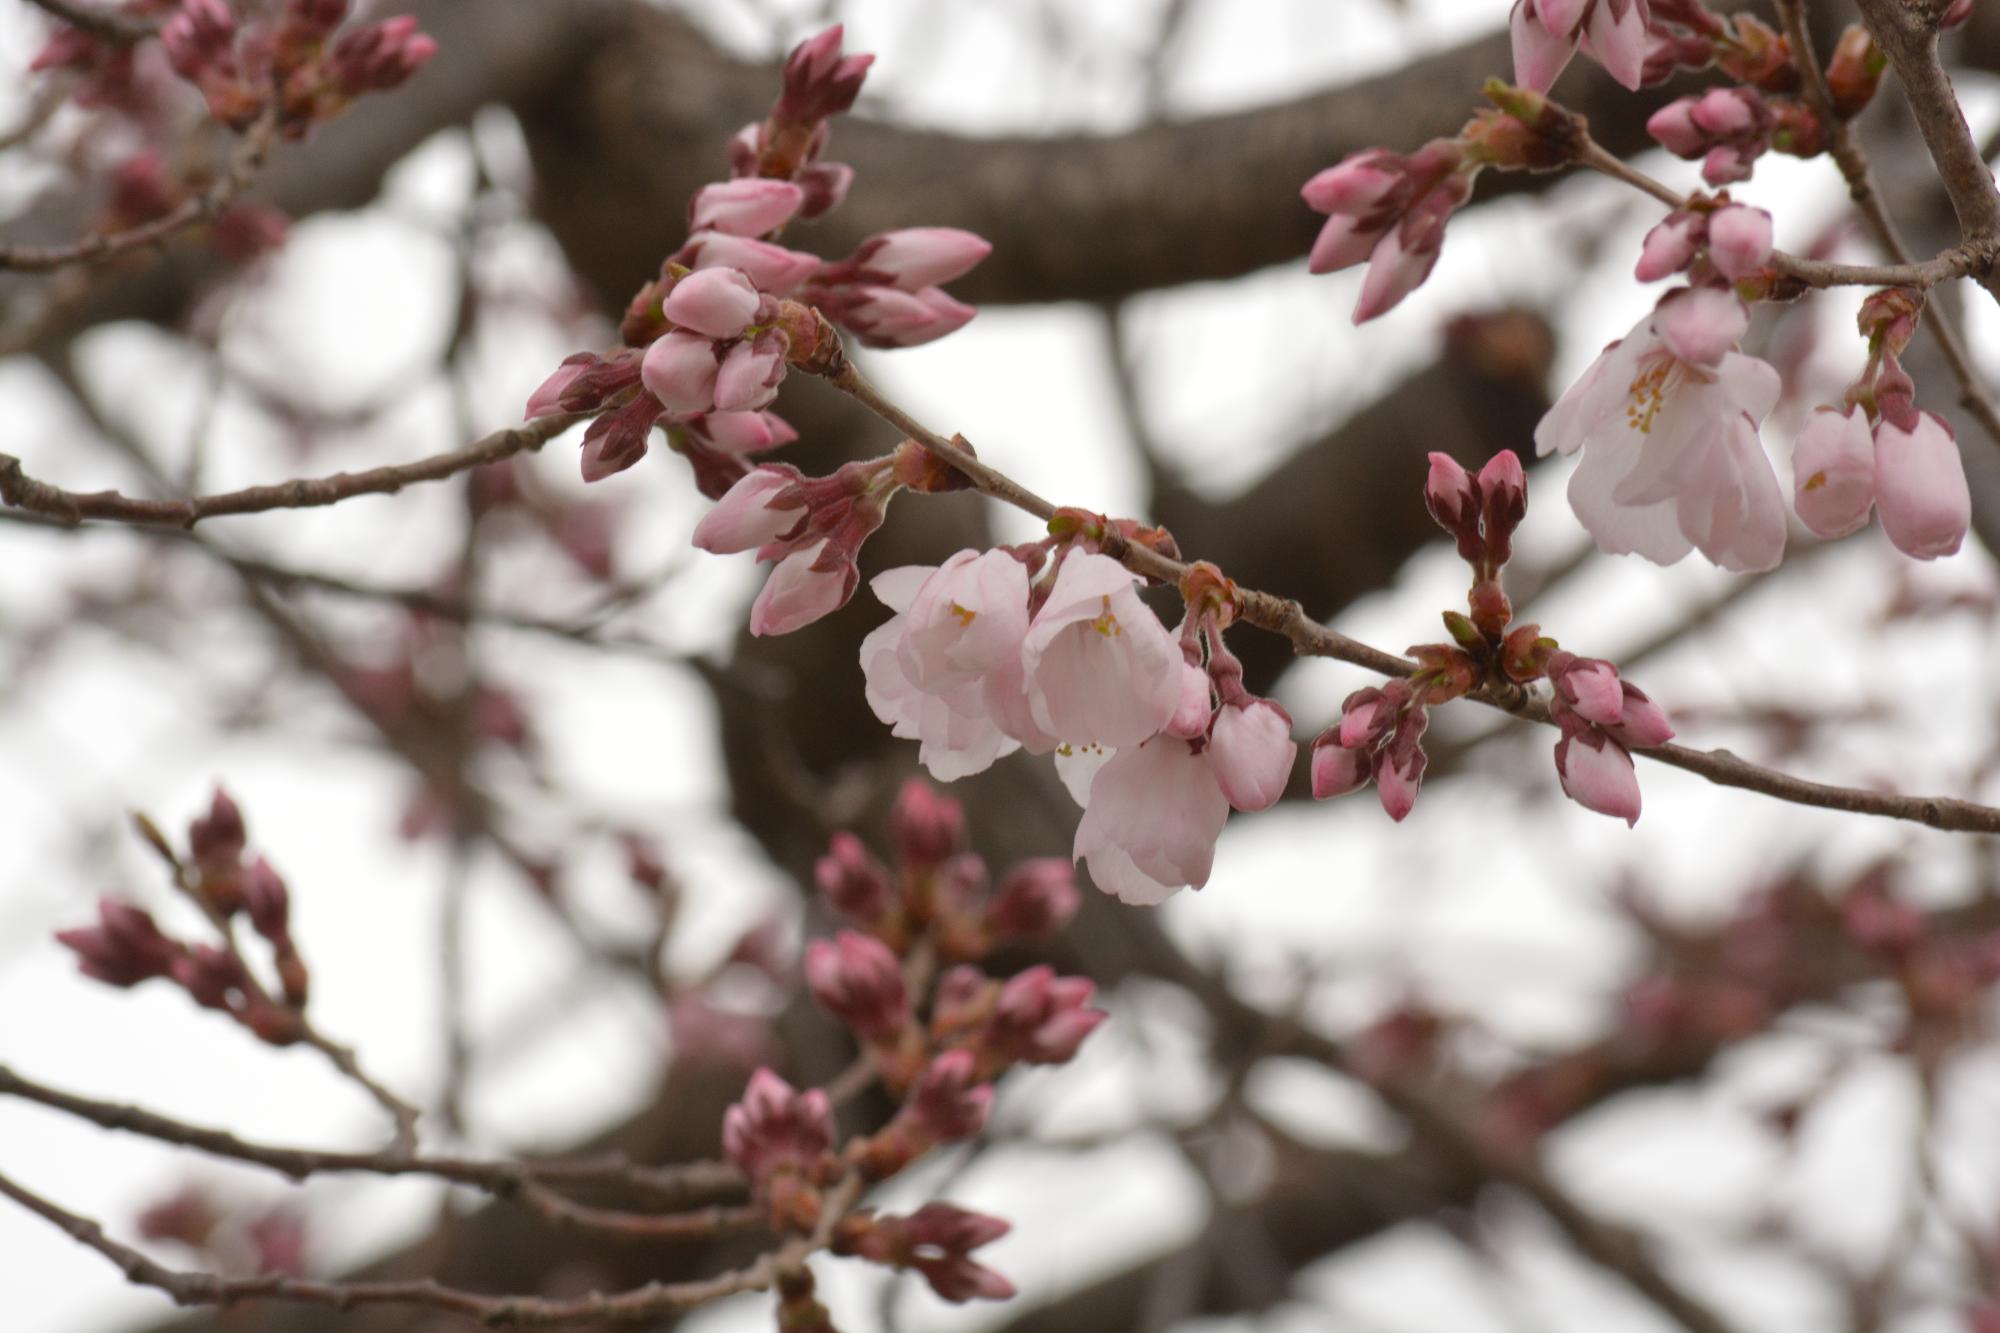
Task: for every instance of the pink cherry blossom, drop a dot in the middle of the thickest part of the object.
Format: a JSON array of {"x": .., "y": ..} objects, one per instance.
[
  {"x": 679, "y": 370},
  {"x": 1833, "y": 471},
  {"x": 1920, "y": 487},
  {"x": 797, "y": 593},
  {"x": 1253, "y": 752},
  {"x": 1100, "y": 667},
  {"x": 955, "y": 734},
  {"x": 969, "y": 617},
  {"x": 748, "y": 207},
  {"x": 745, "y": 518},
  {"x": 1667, "y": 419},
  {"x": 714, "y": 302},
  {"x": 1155, "y": 812}
]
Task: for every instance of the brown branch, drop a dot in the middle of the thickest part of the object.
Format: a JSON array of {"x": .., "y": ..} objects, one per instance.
[
  {"x": 244, "y": 164},
  {"x": 638, "y": 1305},
  {"x": 1309, "y": 638},
  {"x": 116, "y": 28},
  {"x": 1961, "y": 261},
  {"x": 505, "y": 1179},
  {"x": 1853, "y": 164},
  {"x": 24, "y": 492}
]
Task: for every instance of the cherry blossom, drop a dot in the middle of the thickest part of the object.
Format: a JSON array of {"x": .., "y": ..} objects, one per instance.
[
  {"x": 1149, "y": 830},
  {"x": 1667, "y": 419}
]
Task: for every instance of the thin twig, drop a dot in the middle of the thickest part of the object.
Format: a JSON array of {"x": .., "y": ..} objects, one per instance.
[
  {"x": 1309, "y": 638},
  {"x": 21, "y": 491},
  {"x": 244, "y": 164},
  {"x": 118, "y": 28}
]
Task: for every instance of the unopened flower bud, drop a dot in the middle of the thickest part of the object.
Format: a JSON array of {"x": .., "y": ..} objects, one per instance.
[
  {"x": 1251, "y": 752},
  {"x": 265, "y": 897},
  {"x": 854, "y": 882},
  {"x": 1452, "y": 497},
  {"x": 714, "y": 302},
  {"x": 1036, "y": 898},
  {"x": 1597, "y": 773},
  {"x": 1739, "y": 241},
  {"x": 1337, "y": 770},
  {"x": 925, "y": 827},
  {"x": 1920, "y": 487},
  {"x": 776, "y": 1126},
  {"x": 216, "y": 839},
  {"x": 858, "y": 980},
  {"x": 1855, "y": 71},
  {"x": 947, "y": 1103},
  {"x": 749, "y": 207},
  {"x": 1833, "y": 472}
]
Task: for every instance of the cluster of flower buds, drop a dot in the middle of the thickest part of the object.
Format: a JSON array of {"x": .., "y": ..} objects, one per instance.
[
  {"x": 811, "y": 527},
  {"x": 1547, "y": 33},
  {"x": 237, "y": 65},
  {"x": 936, "y": 1241},
  {"x": 1379, "y": 737},
  {"x": 937, "y": 885},
  {"x": 127, "y": 946},
  {"x": 1728, "y": 129},
  {"x": 710, "y": 340},
  {"x": 780, "y": 1139},
  {"x": 1601, "y": 718},
  {"x": 1734, "y": 240},
  {"x": 1391, "y": 211},
  {"x": 938, "y": 1050},
  {"x": 1879, "y": 452}
]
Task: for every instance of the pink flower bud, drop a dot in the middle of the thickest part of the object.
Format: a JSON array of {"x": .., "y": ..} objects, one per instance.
[
  {"x": 618, "y": 439},
  {"x": 749, "y": 207},
  {"x": 1040, "y": 1018},
  {"x": 1920, "y": 487},
  {"x": 1700, "y": 325},
  {"x": 1399, "y": 765},
  {"x": 1643, "y": 723},
  {"x": 1589, "y": 686},
  {"x": 1196, "y": 707},
  {"x": 741, "y": 432},
  {"x": 1342, "y": 243},
  {"x": 776, "y": 1126},
  {"x": 1365, "y": 718},
  {"x": 925, "y": 827},
  {"x": 1730, "y": 163},
  {"x": 680, "y": 370},
  {"x": 1037, "y": 898},
  {"x": 1739, "y": 241},
  {"x": 266, "y": 899},
  {"x": 714, "y": 302},
  {"x": 1833, "y": 472},
  {"x": 380, "y": 56},
  {"x": 547, "y": 400},
  {"x": 891, "y": 317},
  {"x": 946, "y": 1104},
  {"x": 1357, "y": 185},
  {"x": 854, "y": 882},
  {"x": 919, "y": 257},
  {"x": 124, "y": 949},
  {"x": 1337, "y": 770},
  {"x": 1396, "y": 267},
  {"x": 824, "y": 185},
  {"x": 773, "y": 268},
  {"x": 1725, "y": 113},
  {"x": 749, "y": 378},
  {"x": 217, "y": 838},
  {"x": 1503, "y": 492},
  {"x": 818, "y": 80},
  {"x": 1597, "y": 773},
  {"x": 799, "y": 591},
  {"x": 1673, "y": 127},
  {"x": 1453, "y": 500},
  {"x": 859, "y": 981},
  {"x": 198, "y": 37},
  {"x": 1669, "y": 247},
  {"x": 1252, "y": 752}
]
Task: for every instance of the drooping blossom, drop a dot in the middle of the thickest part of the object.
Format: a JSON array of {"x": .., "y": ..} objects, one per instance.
[
  {"x": 1833, "y": 472},
  {"x": 1920, "y": 485},
  {"x": 1667, "y": 421},
  {"x": 1547, "y": 33},
  {"x": 956, "y": 735},
  {"x": 1149, "y": 830}
]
